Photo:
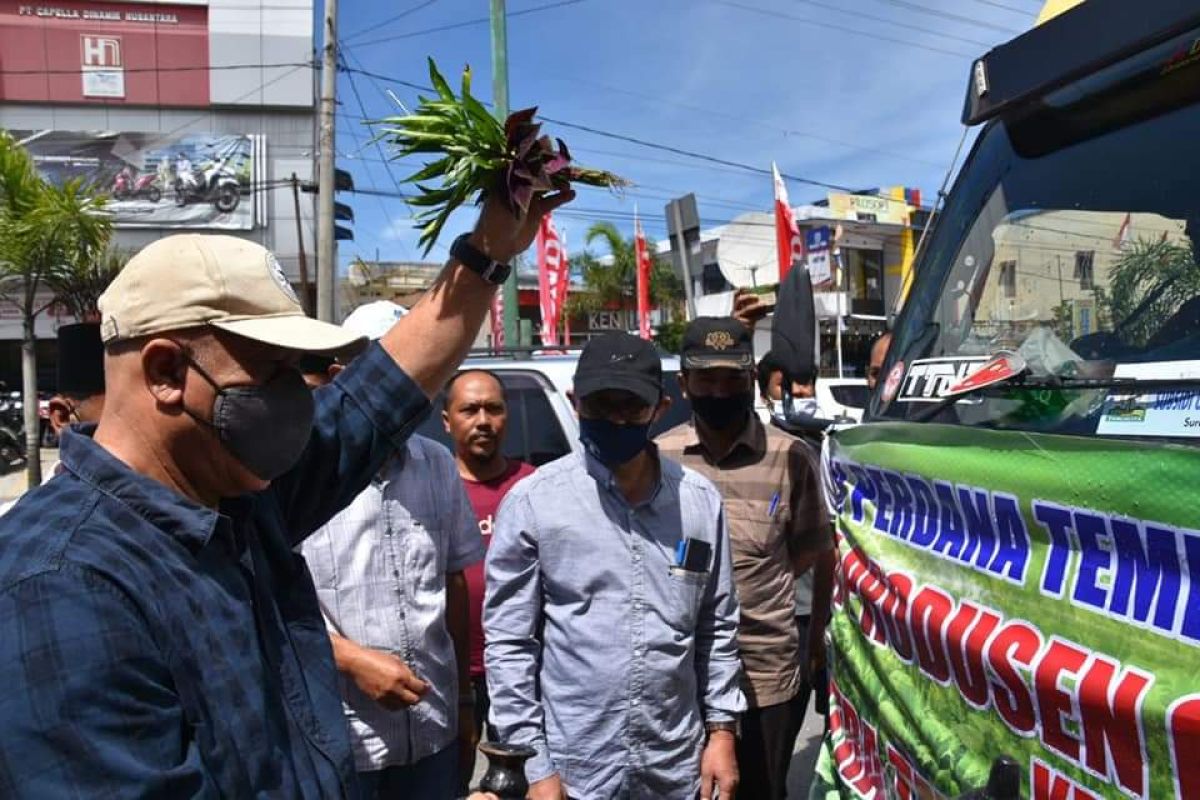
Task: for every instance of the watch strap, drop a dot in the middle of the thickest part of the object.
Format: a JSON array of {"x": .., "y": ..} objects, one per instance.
[{"x": 478, "y": 262}]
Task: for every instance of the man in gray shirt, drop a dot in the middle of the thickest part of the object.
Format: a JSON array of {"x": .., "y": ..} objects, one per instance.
[{"x": 610, "y": 617}]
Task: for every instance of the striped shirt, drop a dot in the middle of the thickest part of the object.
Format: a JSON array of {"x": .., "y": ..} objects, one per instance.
[
  {"x": 380, "y": 569},
  {"x": 773, "y": 504}
]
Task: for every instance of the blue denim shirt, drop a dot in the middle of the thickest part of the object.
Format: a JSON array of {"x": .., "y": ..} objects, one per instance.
[
  {"x": 600, "y": 653},
  {"x": 152, "y": 647}
]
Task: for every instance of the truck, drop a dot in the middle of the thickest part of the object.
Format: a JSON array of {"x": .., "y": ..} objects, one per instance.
[{"x": 1014, "y": 519}]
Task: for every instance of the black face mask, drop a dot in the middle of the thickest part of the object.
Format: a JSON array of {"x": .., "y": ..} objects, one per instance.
[
  {"x": 723, "y": 413},
  {"x": 266, "y": 427}
]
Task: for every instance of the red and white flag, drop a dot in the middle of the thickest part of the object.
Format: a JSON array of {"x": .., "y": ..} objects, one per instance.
[
  {"x": 789, "y": 243},
  {"x": 642, "y": 253},
  {"x": 552, "y": 279},
  {"x": 1123, "y": 234},
  {"x": 498, "y": 319}
]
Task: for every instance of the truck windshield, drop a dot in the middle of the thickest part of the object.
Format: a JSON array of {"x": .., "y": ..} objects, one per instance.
[{"x": 1071, "y": 237}]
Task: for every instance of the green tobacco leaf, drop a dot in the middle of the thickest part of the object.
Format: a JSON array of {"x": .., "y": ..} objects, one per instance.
[
  {"x": 431, "y": 170},
  {"x": 439, "y": 82}
]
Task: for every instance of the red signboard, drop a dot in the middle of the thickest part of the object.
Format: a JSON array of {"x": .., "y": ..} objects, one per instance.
[{"x": 75, "y": 51}]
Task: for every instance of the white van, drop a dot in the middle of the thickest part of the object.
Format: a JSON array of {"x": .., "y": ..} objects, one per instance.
[{"x": 541, "y": 421}]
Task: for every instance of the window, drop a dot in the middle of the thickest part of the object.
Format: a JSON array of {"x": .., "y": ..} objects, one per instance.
[
  {"x": 865, "y": 270},
  {"x": 1084, "y": 273},
  {"x": 1008, "y": 278}
]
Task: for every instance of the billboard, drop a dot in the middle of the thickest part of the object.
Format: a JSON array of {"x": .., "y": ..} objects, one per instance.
[
  {"x": 160, "y": 180},
  {"x": 77, "y": 51}
]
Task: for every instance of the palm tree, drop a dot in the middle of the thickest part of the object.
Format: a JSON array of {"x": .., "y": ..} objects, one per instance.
[
  {"x": 1148, "y": 285},
  {"x": 615, "y": 283},
  {"x": 77, "y": 287},
  {"x": 44, "y": 230}
]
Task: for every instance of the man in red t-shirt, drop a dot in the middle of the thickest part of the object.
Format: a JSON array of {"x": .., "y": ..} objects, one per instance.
[{"x": 475, "y": 416}]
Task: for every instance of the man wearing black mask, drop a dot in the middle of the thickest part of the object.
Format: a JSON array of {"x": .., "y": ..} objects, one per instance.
[{"x": 778, "y": 529}]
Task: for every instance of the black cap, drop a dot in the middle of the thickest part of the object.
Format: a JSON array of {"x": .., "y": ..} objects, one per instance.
[
  {"x": 80, "y": 359},
  {"x": 711, "y": 342},
  {"x": 619, "y": 361}
]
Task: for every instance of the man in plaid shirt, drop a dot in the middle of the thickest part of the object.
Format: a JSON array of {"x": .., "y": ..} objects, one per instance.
[{"x": 158, "y": 636}]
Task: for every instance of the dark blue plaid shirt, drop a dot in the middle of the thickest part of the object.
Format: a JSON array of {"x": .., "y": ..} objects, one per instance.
[{"x": 151, "y": 647}]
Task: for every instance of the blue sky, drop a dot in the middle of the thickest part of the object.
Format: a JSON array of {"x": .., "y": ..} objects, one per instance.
[{"x": 863, "y": 97}]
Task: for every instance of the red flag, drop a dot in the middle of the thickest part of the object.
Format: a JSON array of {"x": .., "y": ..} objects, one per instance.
[
  {"x": 552, "y": 263},
  {"x": 498, "y": 319},
  {"x": 789, "y": 244},
  {"x": 643, "y": 277},
  {"x": 1123, "y": 234}
]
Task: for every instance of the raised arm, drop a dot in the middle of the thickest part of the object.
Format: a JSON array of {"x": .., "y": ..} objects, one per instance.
[
  {"x": 433, "y": 338},
  {"x": 372, "y": 408}
]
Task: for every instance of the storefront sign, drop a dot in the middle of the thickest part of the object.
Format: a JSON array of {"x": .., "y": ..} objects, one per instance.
[
  {"x": 73, "y": 52},
  {"x": 867, "y": 208},
  {"x": 608, "y": 321},
  {"x": 817, "y": 245},
  {"x": 159, "y": 180}
]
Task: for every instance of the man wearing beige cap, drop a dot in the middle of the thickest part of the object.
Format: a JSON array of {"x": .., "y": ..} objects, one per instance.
[{"x": 158, "y": 637}]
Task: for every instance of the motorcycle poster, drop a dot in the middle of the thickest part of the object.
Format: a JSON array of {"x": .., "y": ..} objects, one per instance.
[{"x": 159, "y": 180}]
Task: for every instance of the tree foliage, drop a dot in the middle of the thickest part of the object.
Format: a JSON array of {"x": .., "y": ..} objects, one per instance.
[
  {"x": 48, "y": 233},
  {"x": 1149, "y": 284},
  {"x": 614, "y": 284}
]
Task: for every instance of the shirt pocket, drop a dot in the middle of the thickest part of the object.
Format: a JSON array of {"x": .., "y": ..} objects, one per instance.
[
  {"x": 685, "y": 593},
  {"x": 756, "y": 527},
  {"x": 422, "y": 543}
]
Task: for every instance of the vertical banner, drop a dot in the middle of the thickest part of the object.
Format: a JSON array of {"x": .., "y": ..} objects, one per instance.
[
  {"x": 553, "y": 277},
  {"x": 498, "y": 320},
  {"x": 643, "y": 277},
  {"x": 561, "y": 288},
  {"x": 789, "y": 242}
]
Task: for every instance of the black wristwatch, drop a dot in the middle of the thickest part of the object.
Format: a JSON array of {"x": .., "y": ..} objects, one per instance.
[{"x": 473, "y": 259}]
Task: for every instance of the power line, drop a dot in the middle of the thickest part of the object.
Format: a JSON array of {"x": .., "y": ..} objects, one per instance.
[
  {"x": 405, "y": 13},
  {"x": 1014, "y": 9},
  {"x": 833, "y": 26},
  {"x": 739, "y": 118},
  {"x": 947, "y": 15},
  {"x": 375, "y": 139},
  {"x": 468, "y": 23},
  {"x": 859, "y": 14},
  {"x": 197, "y": 68},
  {"x": 634, "y": 140}
]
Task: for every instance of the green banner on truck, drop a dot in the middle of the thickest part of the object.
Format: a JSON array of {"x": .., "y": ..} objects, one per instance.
[{"x": 1005, "y": 593}]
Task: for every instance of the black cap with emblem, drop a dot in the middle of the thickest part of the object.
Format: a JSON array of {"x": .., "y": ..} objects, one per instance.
[
  {"x": 717, "y": 342},
  {"x": 80, "y": 360},
  {"x": 620, "y": 361}
]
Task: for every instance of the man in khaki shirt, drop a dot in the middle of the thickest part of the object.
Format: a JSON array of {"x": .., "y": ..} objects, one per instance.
[{"x": 778, "y": 528}]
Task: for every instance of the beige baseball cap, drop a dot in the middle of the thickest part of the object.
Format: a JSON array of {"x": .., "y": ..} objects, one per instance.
[{"x": 235, "y": 285}]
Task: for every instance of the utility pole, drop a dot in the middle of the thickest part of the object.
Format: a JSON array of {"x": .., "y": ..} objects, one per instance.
[
  {"x": 512, "y": 328},
  {"x": 305, "y": 291},
  {"x": 326, "y": 243}
]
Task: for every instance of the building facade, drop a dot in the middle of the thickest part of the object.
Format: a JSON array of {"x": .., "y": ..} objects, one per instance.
[
  {"x": 193, "y": 115},
  {"x": 864, "y": 243}
]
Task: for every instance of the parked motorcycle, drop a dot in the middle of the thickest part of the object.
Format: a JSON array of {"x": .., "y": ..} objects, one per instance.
[
  {"x": 127, "y": 185},
  {"x": 12, "y": 431},
  {"x": 216, "y": 184}
]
